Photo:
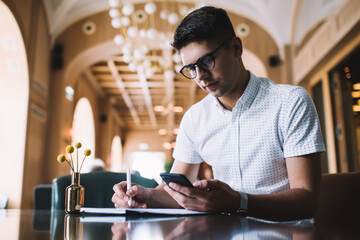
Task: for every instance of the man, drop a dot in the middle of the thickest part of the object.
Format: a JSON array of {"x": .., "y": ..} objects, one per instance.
[{"x": 262, "y": 139}]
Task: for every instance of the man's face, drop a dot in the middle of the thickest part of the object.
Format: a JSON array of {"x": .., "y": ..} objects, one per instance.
[{"x": 219, "y": 81}]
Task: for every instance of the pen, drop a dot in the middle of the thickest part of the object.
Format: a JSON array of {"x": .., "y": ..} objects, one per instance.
[{"x": 128, "y": 181}]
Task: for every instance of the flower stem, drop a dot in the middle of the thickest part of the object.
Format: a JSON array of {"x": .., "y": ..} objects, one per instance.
[
  {"x": 69, "y": 164},
  {"x": 77, "y": 159},
  {"x": 72, "y": 162},
  {"x": 82, "y": 163}
]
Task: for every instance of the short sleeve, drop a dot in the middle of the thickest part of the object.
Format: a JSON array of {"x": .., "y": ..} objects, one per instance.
[
  {"x": 185, "y": 149},
  {"x": 301, "y": 128}
]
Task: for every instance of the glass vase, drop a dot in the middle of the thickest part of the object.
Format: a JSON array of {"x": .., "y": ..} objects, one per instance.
[{"x": 74, "y": 195}]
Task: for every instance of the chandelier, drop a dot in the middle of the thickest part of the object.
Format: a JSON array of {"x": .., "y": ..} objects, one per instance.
[{"x": 146, "y": 32}]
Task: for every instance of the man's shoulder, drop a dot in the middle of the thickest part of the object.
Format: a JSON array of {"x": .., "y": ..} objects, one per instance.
[
  {"x": 204, "y": 103},
  {"x": 201, "y": 109},
  {"x": 279, "y": 90}
]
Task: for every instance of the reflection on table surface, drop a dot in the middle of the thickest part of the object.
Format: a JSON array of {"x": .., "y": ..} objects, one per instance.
[{"x": 29, "y": 224}]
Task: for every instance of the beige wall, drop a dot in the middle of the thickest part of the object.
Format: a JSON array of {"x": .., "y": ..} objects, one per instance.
[{"x": 262, "y": 45}]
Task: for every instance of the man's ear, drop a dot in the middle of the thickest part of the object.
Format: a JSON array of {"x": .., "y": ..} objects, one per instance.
[{"x": 238, "y": 46}]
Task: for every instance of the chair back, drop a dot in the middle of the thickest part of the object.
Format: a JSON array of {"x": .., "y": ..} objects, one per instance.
[
  {"x": 339, "y": 205},
  {"x": 98, "y": 188},
  {"x": 3, "y": 201},
  {"x": 42, "y": 197}
]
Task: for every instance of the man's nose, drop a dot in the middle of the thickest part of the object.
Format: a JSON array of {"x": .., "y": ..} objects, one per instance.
[{"x": 201, "y": 74}]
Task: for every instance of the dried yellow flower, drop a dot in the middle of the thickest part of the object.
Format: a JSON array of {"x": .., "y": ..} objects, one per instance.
[
  {"x": 78, "y": 144},
  {"x": 69, "y": 149},
  {"x": 61, "y": 158},
  {"x": 87, "y": 152}
]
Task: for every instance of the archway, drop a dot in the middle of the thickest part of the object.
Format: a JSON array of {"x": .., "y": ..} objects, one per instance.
[
  {"x": 83, "y": 130},
  {"x": 14, "y": 100}
]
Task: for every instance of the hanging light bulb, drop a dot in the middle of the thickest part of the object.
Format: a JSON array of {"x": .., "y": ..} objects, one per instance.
[
  {"x": 132, "y": 66},
  {"x": 116, "y": 23},
  {"x": 151, "y": 33},
  {"x": 163, "y": 14},
  {"x": 127, "y": 9},
  {"x": 173, "y": 18},
  {"x": 149, "y": 73},
  {"x": 138, "y": 54},
  {"x": 114, "y": 13},
  {"x": 184, "y": 10},
  {"x": 114, "y": 3},
  {"x": 125, "y": 21},
  {"x": 142, "y": 33},
  {"x": 127, "y": 58},
  {"x": 147, "y": 64},
  {"x": 126, "y": 49},
  {"x": 150, "y": 8},
  {"x": 132, "y": 31},
  {"x": 119, "y": 39},
  {"x": 144, "y": 49},
  {"x": 177, "y": 58}
]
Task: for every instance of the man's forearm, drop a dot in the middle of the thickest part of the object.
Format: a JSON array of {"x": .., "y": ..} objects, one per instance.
[
  {"x": 287, "y": 205},
  {"x": 159, "y": 198}
]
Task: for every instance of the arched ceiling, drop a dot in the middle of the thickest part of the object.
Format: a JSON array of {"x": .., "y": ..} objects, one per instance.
[
  {"x": 136, "y": 96},
  {"x": 275, "y": 16}
]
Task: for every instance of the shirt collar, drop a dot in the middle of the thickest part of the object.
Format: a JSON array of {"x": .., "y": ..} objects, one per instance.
[{"x": 250, "y": 92}]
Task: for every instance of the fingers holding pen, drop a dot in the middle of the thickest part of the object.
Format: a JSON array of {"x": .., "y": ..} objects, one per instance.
[
  {"x": 119, "y": 194},
  {"x": 122, "y": 195}
]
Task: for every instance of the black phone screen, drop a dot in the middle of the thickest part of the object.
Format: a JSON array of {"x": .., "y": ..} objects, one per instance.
[{"x": 176, "y": 178}]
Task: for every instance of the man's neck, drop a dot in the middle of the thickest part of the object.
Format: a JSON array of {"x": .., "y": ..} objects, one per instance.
[{"x": 230, "y": 100}]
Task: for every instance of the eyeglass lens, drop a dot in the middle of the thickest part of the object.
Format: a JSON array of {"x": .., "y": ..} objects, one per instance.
[{"x": 206, "y": 63}]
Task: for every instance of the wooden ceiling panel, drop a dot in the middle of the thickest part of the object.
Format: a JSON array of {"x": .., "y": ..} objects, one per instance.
[{"x": 134, "y": 96}]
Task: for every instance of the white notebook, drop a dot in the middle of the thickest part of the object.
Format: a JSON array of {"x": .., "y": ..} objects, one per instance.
[{"x": 124, "y": 211}]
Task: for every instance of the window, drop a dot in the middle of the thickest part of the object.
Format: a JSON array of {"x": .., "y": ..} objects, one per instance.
[
  {"x": 14, "y": 100},
  {"x": 149, "y": 164}
]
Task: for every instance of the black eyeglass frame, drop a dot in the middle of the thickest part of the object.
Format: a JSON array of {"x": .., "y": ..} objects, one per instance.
[{"x": 210, "y": 54}]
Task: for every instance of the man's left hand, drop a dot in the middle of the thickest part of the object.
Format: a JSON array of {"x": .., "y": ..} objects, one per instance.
[{"x": 207, "y": 196}]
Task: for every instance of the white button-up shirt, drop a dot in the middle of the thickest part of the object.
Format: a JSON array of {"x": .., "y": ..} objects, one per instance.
[{"x": 247, "y": 146}]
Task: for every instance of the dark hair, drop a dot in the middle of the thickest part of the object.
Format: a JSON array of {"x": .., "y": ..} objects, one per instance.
[{"x": 206, "y": 23}]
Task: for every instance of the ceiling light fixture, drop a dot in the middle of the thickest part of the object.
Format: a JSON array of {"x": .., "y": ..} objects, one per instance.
[
  {"x": 178, "y": 109},
  {"x": 159, "y": 108},
  {"x": 356, "y": 108},
  {"x": 162, "y": 132},
  {"x": 356, "y": 86},
  {"x": 145, "y": 28},
  {"x": 355, "y": 94}
]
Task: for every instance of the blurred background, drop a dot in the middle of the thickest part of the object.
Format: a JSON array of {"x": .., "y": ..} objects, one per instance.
[{"x": 103, "y": 72}]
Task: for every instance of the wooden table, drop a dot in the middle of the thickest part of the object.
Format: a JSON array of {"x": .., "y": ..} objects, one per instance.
[{"x": 30, "y": 224}]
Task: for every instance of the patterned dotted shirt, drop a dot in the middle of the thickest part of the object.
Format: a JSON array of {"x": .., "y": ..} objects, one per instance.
[{"x": 247, "y": 146}]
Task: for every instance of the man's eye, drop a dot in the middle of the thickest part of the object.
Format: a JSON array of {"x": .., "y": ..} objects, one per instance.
[{"x": 207, "y": 61}]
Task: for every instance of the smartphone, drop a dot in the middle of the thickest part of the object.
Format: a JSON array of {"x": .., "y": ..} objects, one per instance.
[{"x": 176, "y": 178}]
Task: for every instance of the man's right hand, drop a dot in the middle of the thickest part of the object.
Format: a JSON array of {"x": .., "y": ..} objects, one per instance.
[{"x": 121, "y": 196}]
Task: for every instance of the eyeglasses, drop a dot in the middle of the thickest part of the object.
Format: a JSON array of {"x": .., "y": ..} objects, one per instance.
[{"x": 205, "y": 63}]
